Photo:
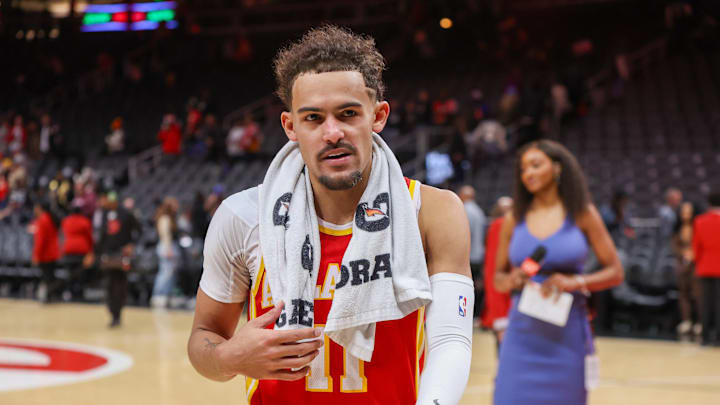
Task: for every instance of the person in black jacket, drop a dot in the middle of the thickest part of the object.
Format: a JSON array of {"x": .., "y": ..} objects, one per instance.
[{"x": 119, "y": 230}]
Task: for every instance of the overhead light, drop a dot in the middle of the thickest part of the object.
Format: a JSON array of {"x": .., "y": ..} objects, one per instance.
[
  {"x": 30, "y": 35},
  {"x": 446, "y": 23},
  {"x": 20, "y": 34},
  {"x": 54, "y": 33}
]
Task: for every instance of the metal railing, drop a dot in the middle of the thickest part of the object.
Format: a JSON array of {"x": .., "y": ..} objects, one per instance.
[{"x": 144, "y": 162}]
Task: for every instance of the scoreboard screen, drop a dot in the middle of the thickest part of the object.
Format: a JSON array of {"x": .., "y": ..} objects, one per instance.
[{"x": 133, "y": 17}]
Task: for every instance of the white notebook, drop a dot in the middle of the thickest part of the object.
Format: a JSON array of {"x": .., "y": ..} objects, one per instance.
[{"x": 553, "y": 309}]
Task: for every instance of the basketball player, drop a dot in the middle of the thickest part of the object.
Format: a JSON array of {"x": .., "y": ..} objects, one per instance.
[{"x": 331, "y": 84}]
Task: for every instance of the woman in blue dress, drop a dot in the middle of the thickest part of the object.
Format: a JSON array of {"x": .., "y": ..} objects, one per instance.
[{"x": 541, "y": 363}]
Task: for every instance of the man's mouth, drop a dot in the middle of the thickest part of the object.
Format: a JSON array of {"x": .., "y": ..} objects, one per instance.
[{"x": 335, "y": 156}]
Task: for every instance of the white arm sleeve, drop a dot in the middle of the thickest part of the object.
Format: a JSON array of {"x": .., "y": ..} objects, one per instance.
[{"x": 449, "y": 324}]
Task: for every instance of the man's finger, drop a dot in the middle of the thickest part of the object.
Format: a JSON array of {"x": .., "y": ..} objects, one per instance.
[
  {"x": 292, "y": 336},
  {"x": 297, "y": 362},
  {"x": 295, "y": 350},
  {"x": 288, "y": 375},
  {"x": 269, "y": 317}
]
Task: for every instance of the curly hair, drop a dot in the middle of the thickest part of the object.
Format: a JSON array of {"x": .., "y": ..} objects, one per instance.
[
  {"x": 329, "y": 49},
  {"x": 572, "y": 187}
]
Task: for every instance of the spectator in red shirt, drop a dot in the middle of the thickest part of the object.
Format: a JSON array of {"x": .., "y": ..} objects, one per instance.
[
  {"x": 77, "y": 249},
  {"x": 4, "y": 189},
  {"x": 170, "y": 135},
  {"x": 17, "y": 137},
  {"x": 706, "y": 246},
  {"x": 46, "y": 251},
  {"x": 497, "y": 304}
]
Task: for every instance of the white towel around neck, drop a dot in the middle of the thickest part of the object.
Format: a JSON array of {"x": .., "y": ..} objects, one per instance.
[{"x": 384, "y": 273}]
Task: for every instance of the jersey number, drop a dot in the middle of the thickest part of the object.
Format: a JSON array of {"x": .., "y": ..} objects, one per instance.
[{"x": 352, "y": 380}]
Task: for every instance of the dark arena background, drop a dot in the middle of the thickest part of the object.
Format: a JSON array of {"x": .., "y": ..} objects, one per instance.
[{"x": 169, "y": 106}]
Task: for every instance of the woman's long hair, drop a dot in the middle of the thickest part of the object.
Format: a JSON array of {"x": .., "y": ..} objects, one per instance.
[
  {"x": 169, "y": 207},
  {"x": 572, "y": 186}
]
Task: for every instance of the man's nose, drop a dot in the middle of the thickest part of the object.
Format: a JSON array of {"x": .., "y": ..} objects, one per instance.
[{"x": 332, "y": 132}]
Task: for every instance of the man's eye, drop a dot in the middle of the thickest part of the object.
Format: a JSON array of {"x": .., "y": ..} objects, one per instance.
[
  {"x": 349, "y": 113},
  {"x": 312, "y": 117}
]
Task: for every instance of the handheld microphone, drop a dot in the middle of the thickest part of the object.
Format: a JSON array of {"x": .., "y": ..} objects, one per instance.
[{"x": 532, "y": 264}]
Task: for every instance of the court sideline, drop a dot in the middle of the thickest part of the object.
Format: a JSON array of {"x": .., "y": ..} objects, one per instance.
[{"x": 634, "y": 372}]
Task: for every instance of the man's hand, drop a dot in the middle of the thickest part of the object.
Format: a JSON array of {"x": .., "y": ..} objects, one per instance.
[{"x": 261, "y": 353}]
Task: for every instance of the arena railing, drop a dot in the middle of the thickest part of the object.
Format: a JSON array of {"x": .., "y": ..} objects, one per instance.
[{"x": 144, "y": 162}]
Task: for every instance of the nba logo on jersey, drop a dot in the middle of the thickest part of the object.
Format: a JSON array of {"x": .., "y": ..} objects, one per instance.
[{"x": 462, "y": 306}]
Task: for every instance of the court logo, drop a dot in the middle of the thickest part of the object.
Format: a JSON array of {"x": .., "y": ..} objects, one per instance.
[
  {"x": 375, "y": 218},
  {"x": 462, "y": 306},
  {"x": 281, "y": 211},
  {"x": 26, "y": 364}
]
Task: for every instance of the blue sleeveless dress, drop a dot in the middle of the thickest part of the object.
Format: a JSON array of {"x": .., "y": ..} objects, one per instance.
[{"x": 540, "y": 363}]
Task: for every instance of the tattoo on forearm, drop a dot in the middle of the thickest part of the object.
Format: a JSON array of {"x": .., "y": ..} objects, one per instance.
[{"x": 210, "y": 345}]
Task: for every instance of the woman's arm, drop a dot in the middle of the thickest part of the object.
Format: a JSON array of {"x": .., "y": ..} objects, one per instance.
[
  {"x": 506, "y": 278},
  {"x": 612, "y": 272}
]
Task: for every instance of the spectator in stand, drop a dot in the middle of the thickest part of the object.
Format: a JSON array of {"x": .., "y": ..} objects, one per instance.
[
  {"x": 115, "y": 141},
  {"x": 46, "y": 251},
  {"x": 77, "y": 249},
  {"x": 457, "y": 149},
  {"x": 444, "y": 109},
  {"x": 85, "y": 196},
  {"x": 49, "y": 143},
  {"x": 4, "y": 132},
  {"x": 17, "y": 137},
  {"x": 168, "y": 252},
  {"x": 490, "y": 139},
  {"x": 479, "y": 109},
  {"x": 194, "y": 116},
  {"x": 706, "y": 247},
  {"x": 616, "y": 217},
  {"x": 170, "y": 135},
  {"x": 199, "y": 218},
  {"x": 561, "y": 105},
  {"x": 497, "y": 304},
  {"x": 668, "y": 211},
  {"x": 252, "y": 137},
  {"x": 688, "y": 283},
  {"x": 61, "y": 190},
  {"x": 213, "y": 138},
  {"x": 234, "y": 141},
  {"x": 478, "y": 221},
  {"x": 508, "y": 105},
  {"x": 213, "y": 201},
  {"x": 48, "y": 137},
  {"x": 4, "y": 189},
  {"x": 18, "y": 187}
]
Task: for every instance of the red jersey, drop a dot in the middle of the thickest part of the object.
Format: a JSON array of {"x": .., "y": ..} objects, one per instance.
[{"x": 336, "y": 377}]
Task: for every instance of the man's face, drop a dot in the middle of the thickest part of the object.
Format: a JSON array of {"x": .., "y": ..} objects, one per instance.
[
  {"x": 333, "y": 117},
  {"x": 674, "y": 199}
]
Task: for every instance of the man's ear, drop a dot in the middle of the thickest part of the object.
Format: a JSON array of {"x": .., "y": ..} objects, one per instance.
[
  {"x": 381, "y": 113},
  {"x": 287, "y": 123}
]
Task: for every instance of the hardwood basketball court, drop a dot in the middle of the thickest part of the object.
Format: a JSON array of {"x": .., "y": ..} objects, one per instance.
[{"x": 636, "y": 372}]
